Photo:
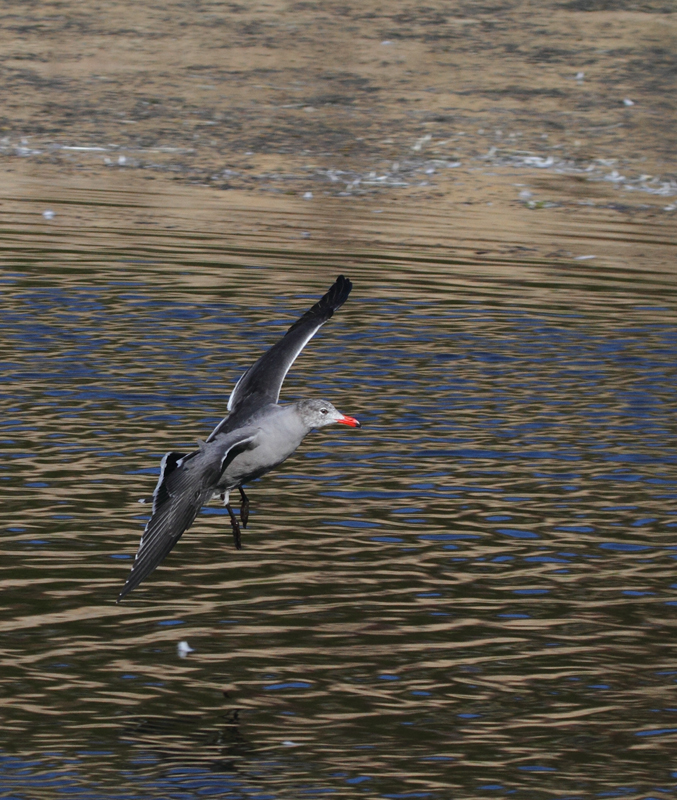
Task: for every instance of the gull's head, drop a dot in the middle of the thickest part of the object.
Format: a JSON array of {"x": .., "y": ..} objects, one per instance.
[{"x": 318, "y": 413}]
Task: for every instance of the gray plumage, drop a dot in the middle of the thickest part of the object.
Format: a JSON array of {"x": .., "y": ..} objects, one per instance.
[{"x": 255, "y": 437}]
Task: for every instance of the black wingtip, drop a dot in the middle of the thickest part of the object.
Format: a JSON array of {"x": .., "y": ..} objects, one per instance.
[
  {"x": 125, "y": 591},
  {"x": 138, "y": 574},
  {"x": 324, "y": 309},
  {"x": 336, "y": 296},
  {"x": 142, "y": 568},
  {"x": 343, "y": 287}
]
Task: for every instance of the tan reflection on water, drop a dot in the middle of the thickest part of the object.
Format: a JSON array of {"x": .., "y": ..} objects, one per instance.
[{"x": 407, "y": 626}]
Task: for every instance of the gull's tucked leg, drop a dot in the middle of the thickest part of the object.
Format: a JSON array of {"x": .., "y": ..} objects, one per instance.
[
  {"x": 244, "y": 508},
  {"x": 236, "y": 527}
]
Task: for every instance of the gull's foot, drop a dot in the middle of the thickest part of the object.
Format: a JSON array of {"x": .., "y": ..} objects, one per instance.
[
  {"x": 237, "y": 536},
  {"x": 244, "y": 508}
]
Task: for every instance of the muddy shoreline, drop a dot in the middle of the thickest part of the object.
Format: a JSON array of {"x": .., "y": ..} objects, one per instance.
[{"x": 352, "y": 99}]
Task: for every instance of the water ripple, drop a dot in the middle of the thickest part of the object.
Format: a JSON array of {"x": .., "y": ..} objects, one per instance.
[{"x": 472, "y": 594}]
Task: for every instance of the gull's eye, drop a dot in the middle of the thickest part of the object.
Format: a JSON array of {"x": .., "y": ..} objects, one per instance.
[{"x": 324, "y": 411}]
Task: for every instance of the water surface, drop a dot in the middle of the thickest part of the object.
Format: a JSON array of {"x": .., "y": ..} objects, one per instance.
[{"x": 472, "y": 595}]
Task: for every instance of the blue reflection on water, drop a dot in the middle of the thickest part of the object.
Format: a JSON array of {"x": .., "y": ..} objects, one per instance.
[
  {"x": 527, "y": 388},
  {"x": 517, "y": 533},
  {"x": 276, "y": 687}
]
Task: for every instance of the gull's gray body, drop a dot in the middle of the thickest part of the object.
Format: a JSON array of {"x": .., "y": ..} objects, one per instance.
[{"x": 255, "y": 437}]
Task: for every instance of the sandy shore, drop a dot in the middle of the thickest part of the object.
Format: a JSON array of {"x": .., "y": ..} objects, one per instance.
[{"x": 573, "y": 100}]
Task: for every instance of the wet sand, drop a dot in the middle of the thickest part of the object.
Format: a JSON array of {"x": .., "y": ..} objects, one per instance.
[{"x": 530, "y": 106}]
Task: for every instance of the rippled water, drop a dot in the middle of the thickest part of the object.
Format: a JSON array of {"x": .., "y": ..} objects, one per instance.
[{"x": 472, "y": 595}]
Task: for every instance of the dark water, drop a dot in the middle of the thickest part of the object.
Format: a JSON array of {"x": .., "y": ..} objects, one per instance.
[{"x": 474, "y": 595}]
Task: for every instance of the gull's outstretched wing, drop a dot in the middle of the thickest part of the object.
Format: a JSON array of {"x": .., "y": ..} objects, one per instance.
[
  {"x": 186, "y": 483},
  {"x": 262, "y": 382}
]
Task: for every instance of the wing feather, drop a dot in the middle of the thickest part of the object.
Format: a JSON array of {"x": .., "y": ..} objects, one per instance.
[
  {"x": 185, "y": 484},
  {"x": 262, "y": 382}
]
